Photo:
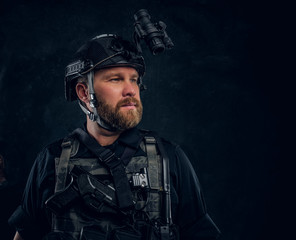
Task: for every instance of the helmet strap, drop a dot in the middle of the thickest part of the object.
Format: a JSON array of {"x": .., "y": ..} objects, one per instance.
[{"x": 93, "y": 115}]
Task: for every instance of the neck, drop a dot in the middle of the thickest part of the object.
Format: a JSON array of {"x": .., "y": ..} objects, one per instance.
[{"x": 103, "y": 136}]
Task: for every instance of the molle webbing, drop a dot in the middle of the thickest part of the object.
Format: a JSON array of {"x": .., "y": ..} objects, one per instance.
[{"x": 76, "y": 218}]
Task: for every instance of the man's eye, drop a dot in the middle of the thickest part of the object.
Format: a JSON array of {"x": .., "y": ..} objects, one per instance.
[
  {"x": 114, "y": 79},
  {"x": 134, "y": 80}
]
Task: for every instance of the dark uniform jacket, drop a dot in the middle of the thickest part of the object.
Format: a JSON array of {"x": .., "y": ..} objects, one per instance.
[{"x": 32, "y": 220}]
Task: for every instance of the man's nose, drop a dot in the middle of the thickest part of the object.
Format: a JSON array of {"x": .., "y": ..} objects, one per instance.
[{"x": 129, "y": 89}]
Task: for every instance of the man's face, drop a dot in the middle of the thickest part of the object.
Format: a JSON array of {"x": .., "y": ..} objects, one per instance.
[{"x": 118, "y": 96}]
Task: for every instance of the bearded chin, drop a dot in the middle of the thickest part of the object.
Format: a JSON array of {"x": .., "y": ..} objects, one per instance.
[{"x": 122, "y": 120}]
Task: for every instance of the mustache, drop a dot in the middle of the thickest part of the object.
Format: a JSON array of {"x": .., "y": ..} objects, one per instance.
[{"x": 126, "y": 101}]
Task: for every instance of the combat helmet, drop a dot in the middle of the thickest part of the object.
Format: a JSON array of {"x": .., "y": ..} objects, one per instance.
[{"x": 103, "y": 51}]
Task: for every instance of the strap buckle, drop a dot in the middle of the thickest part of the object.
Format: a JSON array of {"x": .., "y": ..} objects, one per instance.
[
  {"x": 150, "y": 140},
  {"x": 107, "y": 155},
  {"x": 66, "y": 144}
]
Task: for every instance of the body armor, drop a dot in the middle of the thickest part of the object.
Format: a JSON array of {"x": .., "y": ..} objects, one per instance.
[{"x": 142, "y": 221}]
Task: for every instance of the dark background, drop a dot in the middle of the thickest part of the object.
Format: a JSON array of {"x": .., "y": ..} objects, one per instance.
[{"x": 224, "y": 93}]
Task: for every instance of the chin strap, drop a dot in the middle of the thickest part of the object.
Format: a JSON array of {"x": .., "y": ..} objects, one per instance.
[{"x": 94, "y": 116}]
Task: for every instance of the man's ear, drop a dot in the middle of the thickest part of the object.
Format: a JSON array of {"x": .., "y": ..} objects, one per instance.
[{"x": 82, "y": 92}]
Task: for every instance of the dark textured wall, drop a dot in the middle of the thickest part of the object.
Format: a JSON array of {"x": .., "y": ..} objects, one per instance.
[{"x": 220, "y": 93}]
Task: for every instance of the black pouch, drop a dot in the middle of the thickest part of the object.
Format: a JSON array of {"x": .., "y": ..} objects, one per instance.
[
  {"x": 154, "y": 233},
  {"x": 93, "y": 232}
]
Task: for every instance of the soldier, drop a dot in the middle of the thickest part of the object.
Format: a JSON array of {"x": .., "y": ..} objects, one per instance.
[{"x": 109, "y": 179}]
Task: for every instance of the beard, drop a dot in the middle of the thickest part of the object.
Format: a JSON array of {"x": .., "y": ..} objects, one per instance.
[{"x": 122, "y": 120}]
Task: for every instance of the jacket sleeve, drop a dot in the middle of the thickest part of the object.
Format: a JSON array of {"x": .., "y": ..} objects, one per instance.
[
  {"x": 188, "y": 205},
  {"x": 30, "y": 218}
]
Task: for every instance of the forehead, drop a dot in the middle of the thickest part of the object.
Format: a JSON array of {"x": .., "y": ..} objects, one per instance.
[{"x": 116, "y": 71}]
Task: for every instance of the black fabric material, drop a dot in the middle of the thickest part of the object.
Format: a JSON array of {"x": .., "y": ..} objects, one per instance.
[
  {"x": 188, "y": 208},
  {"x": 127, "y": 154},
  {"x": 123, "y": 191}
]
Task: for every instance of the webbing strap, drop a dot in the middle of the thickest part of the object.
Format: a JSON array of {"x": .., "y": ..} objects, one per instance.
[
  {"x": 61, "y": 172},
  {"x": 151, "y": 146},
  {"x": 166, "y": 180},
  {"x": 123, "y": 191},
  {"x": 154, "y": 166},
  {"x": 151, "y": 151},
  {"x": 62, "y": 168}
]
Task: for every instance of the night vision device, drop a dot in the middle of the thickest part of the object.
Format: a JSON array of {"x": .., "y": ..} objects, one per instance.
[{"x": 154, "y": 34}]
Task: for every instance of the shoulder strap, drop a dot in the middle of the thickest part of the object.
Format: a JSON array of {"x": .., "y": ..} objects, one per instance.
[
  {"x": 70, "y": 147},
  {"x": 166, "y": 180},
  {"x": 152, "y": 139}
]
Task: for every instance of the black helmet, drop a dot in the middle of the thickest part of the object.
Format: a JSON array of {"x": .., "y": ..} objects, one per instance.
[{"x": 104, "y": 51}]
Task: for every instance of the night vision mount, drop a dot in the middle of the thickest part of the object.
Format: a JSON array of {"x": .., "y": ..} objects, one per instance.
[{"x": 154, "y": 34}]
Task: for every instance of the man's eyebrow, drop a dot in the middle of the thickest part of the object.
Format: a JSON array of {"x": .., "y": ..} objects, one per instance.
[
  {"x": 135, "y": 75},
  {"x": 111, "y": 74}
]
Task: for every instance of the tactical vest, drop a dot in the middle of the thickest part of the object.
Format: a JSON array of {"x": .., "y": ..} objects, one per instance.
[{"x": 147, "y": 184}]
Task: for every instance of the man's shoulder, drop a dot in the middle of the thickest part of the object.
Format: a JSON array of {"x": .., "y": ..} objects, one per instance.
[
  {"x": 52, "y": 149},
  {"x": 78, "y": 148},
  {"x": 56, "y": 146}
]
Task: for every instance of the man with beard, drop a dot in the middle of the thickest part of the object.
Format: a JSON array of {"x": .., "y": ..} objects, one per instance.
[{"x": 109, "y": 179}]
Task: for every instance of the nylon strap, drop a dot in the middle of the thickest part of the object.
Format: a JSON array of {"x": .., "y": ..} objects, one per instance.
[
  {"x": 62, "y": 171},
  {"x": 105, "y": 155},
  {"x": 151, "y": 151},
  {"x": 166, "y": 180},
  {"x": 62, "y": 168}
]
